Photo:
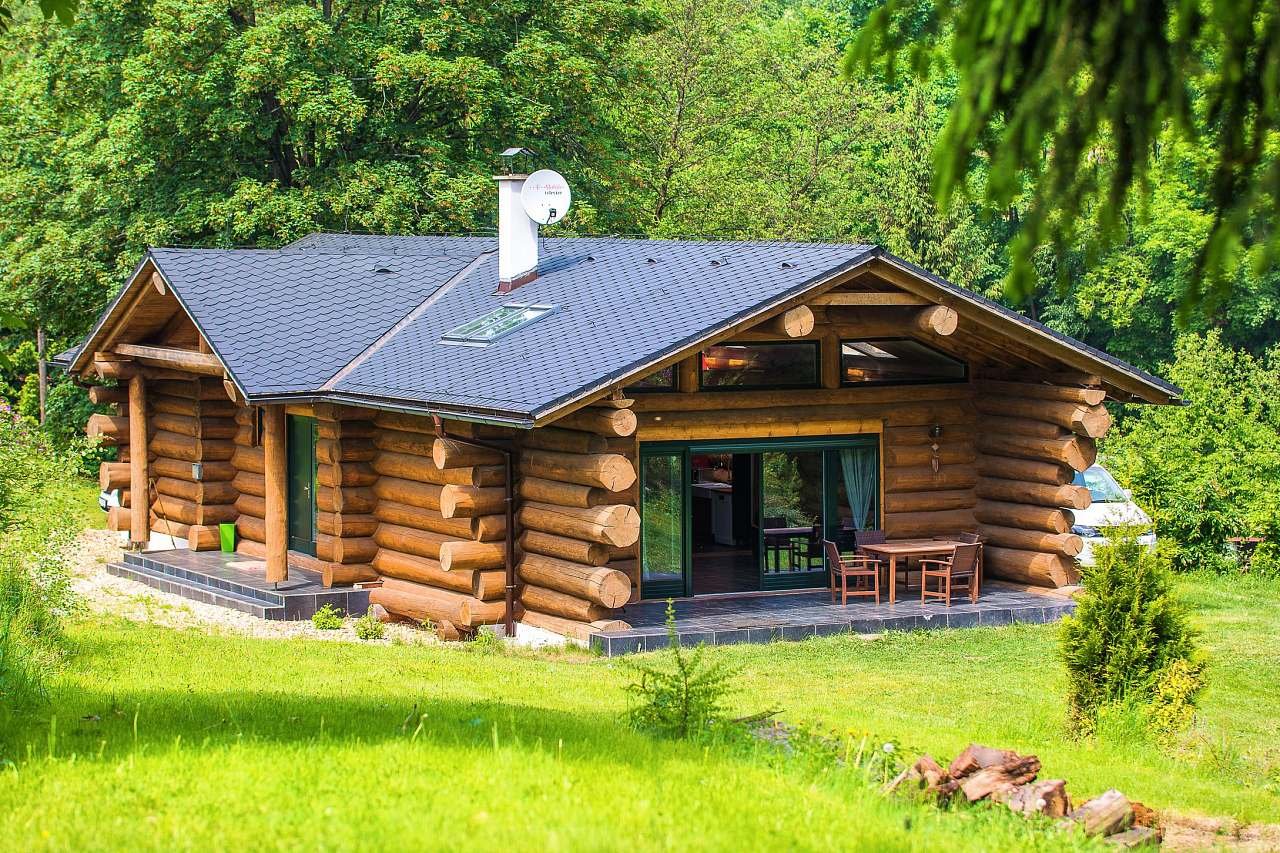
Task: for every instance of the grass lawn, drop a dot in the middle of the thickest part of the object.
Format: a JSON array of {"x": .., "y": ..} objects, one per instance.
[{"x": 162, "y": 738}]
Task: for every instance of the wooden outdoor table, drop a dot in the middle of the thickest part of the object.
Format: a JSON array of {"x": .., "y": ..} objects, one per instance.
[{"x": 895, "y": 548}]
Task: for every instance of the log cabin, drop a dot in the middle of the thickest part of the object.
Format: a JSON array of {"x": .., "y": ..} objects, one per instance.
[{"x": 623, "y": 420}]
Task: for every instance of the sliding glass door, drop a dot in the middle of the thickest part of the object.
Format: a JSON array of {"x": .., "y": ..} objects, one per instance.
[{"x": 751, "y": 515}]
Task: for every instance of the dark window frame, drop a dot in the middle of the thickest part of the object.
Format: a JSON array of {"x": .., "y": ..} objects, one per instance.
[
  {"x": 844, "y": 383},
  {"x": 816, "y": 346},
  {"x": 674, "y": 386}
]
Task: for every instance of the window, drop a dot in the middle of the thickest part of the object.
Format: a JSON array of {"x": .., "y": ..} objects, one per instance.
[
  {"x": 745, "y": 366},
  {"x": 899, "y": 361},
  {"x": 663, "y": 380},
  {"x": 496, "y": 324}
]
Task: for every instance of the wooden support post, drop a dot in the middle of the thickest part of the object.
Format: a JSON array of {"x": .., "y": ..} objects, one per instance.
[
  {"x": 687, "y": 377},
  {"x": 140, "y": 512},
  {"x": 275, "y": 461}
]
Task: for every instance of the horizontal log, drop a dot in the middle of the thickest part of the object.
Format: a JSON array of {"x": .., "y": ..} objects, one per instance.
[
  {"x": 347, "y": 499},
  {"x": 400, "y": 441},
  {"x": 1090, "y": 421},
  {"x": 117, "y": 370},
  {"x": 489, "y": 585},
  {"x": 1028, "y": 470},
  {"x": 571, "y": 628},
  {"x": 936, "y": 320},
  {"x": 564, "y": 440},
  {"x": 190, "y": 407},
  {"x": 424, "y": 495},
  {"x": 405, "y": 422},
  {"x": 452, "y": 453},
  {"x": 332, "y": 450},
  {"x": 1017, "y": 491},
  {"x": 1068, "y": 544},
  {"x": 556, "y": 603},
  {"x": 200, "y": 537},
  {"x": 1084, "y": 396},
  {"x": 1076, "y": 452},
  {"x": 424, "y": 603},
  {"x": 112, "y": 429},
  {"x": 574, "y": 550},
  {"x": 175, "y": 446},
  {"x": 252, "y": 528},
  {"x": 191, "y": 388},
  {"x": 613, "y": 524},
  {"x": 203, "y": 492},
  {"x": 118, "y": 518},
  {"x": 345, "y": 474},
  {"x": 913, "y": 525},
  {"x": 619, "y": 422},
  {"x": 194, "y": 427},
  {"x": 915, "y": 454},
  {"x": 190, "y": 512},
  {"x": 346, "y": 574},
  {"x": 338, "y": 413},
  {"x": 102, "y": 395},
  {"x": 211, "y": 471},
  {"x": 611, "y": 471},
  {"x": 408, "y": 467},
  {"x": 917, "y": 435},
  {"x": 348, "y": 524},
  {"x": 1023, "y": 426},
  {"x": 249, "y": 483},
  {"x": 471, "y": 501},
  {"x": 868, "y": 298},
  {"x": 483, "y": 528},
  {"x": 939, "y": 501},
  {"x": 566, "y": 494},
  {"x": 346, "y": 549},
  {"x": 410, "y": 567},
  {"x": 869, "y": 399},
  {"x": 922, "y": 478},
  {"x": 1030, "y": 567},
  {"x": 451, "y": 552},
  {"x": 604, "y": 586},
  {"x": 1023, "y": 516},
  {"x": 255, "y": 505},
  {"x": 204, "y": 364},
  {"x": 333, "y": 430},
  {"x": 113, "y": 475}
]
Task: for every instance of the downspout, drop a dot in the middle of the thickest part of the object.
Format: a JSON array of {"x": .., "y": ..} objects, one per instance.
[{"x": 509, "y": 612}]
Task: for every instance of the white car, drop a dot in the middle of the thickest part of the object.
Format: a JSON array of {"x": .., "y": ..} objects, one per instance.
[
  {"x": 1112, "y": 507},
  {"x": 106, "y": 500}
]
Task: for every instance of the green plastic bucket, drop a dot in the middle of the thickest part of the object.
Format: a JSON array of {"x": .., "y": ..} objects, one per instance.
[{"x": 227, "y": 534}]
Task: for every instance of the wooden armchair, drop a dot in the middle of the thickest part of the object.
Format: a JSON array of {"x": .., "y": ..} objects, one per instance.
[
  {"x": 860, "y": 567},
  {"x": 960, "y": 570}
]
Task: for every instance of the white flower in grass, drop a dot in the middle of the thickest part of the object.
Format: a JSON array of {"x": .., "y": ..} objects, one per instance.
[{"x": 888, "y": 747}]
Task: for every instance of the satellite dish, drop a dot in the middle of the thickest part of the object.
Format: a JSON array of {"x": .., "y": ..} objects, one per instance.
[{"x": 546, "y": 197}]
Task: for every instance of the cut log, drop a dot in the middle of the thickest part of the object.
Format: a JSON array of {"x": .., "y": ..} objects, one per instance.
[
  {"x": 556, "y": 603},
  {"x": 610, "y": 471},
  {"x": 346, "y": 574},
  {"x": 924, "y": 775},
  {"x": 213, "y": 471},
  {"x": 429, "y": 604},
  {"x": 1023, "y": 516},
  {"x": 451, "y": 553},
  {"x": 188, "y": 449},
  {"x": 332, "y": 430},
  {"x": 190, "y": 512},
  {"x": 112, "y": 429},
  {"x": 792, "y": 323},
  {"x": 451, "y": 453},
  {"x": 1023, "y": 426},
  {"x": 1030, "y": 567},
  {"x": 332, "y": 450},
  {"x": 1076, "y": 452},
  {"x": 1084, "y": 396},
  {"x": 409, "y": 467},
  {"x": 424, "y": 495},
  {"x": 573, "y": 550},
  {"x": 1016, "y": 491},
  {"x": 400, "y": 441},
  {"x": 197, "y": 492},
  {"x": 1106, "y": 814},
  {"x": 346, "y": 474},
  {"x": 565, "y": 440},
  {"x": 937, "y": 320},
  {"x": 189, "y": 361},
  {"x": 345, "y": 549},
  {"x": 469, "y": 501},
  {"x": 249, "y": 459},
  {"x": 922, "y": 478},
  {"x": 347, "y": 499},
  {"x": 619, "y": 422},
  {"x": 580, "y": 631},
  {"x": 193, "y": 426},
  {"x": 604, "y": 586},
  {"x": 1090, "y": 421},
  {"x": 489, "y": 585},
  {"x": 275, "y": 466},
  {"x": 409, "y": 567},
  {"x": 118, "y": 518},
  {"x": 248, "y": 483},
  {"x": 252, "y": 528},
  {"x": 941, "y": 501},
  {"x": 199, "y": 537},
  {"x": 1000, "y": 778},
  {"x": 431, "y": 520},
  {"x": 404, "y": 422},
  {"x": 1067, "y": 544},
  {"x": 1049, "y": 473},
  {"x": 566, "y": 494},
  {"x": 613, "y": 524},
  {"x": 191, "y": 407},
  {"x": 113, "y": 475},
  {"x": 1046, "y": 797},
  {"x": 102, "y": 395},
  {"x": 922, "y": 525},
  {"x": 346, "y": 524}
]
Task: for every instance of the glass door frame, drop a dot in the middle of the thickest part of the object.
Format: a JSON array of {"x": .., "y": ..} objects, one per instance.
[
  {"x": 683, "y": 588},
  {"x": 295, "y": 427}
]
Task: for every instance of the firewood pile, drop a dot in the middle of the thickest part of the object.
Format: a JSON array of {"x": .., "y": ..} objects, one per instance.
[{"x": 1009, "y": 779}]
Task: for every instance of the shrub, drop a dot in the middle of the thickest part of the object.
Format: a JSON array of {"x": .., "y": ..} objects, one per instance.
[
  {"x": 680, "y": 694},
  {"x": 369, "y": 628},
  {"x": 38, "y": 522},
  {"x": 1129, "y": 642},
  {"x": 327, "y": 618}
]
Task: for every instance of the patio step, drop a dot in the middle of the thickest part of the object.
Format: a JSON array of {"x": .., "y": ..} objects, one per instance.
[
  {"x": 195, "y": 590},
  {"x": 196, "y": 578}
]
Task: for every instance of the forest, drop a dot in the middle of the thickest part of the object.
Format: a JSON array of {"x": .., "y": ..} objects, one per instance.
[{"x": 255, "y": 122}]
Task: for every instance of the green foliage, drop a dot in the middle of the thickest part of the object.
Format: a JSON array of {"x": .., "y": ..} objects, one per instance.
[
  {"x": 1210, "y": 469},
  {"x": 1129, "y": 644},
  {"x": 327, "y": 618},
  {"x": 369, "y": 628},
  {"x": 38, "y": 521},
  {"x": 681, "y": 693},
  {"x": 487, "y": 642},
  {"x": 1069, "y": 101}
]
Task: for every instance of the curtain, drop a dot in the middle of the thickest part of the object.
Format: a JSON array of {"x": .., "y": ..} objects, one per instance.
[{"x": 858, "y": 465}]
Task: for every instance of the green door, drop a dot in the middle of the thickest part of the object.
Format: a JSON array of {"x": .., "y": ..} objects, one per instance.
[{"x": 302, "y": 484}]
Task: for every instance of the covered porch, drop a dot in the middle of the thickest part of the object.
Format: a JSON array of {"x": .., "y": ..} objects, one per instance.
[{"x": 765, "y": 618}]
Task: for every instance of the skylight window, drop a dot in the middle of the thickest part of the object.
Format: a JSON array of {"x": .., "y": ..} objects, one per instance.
[{"x": 498, "y": 323}]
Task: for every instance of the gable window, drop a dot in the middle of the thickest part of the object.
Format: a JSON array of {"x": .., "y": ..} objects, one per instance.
[
  {"x": 662, "y": 380},
  {"x": 896, "y": 361},
  {"x": 498, "y": 323},
  {"x": 745, "y": 366}
]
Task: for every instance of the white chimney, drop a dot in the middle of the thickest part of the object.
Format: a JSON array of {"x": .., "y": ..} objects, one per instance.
[{"x": 517, "y": 236}]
